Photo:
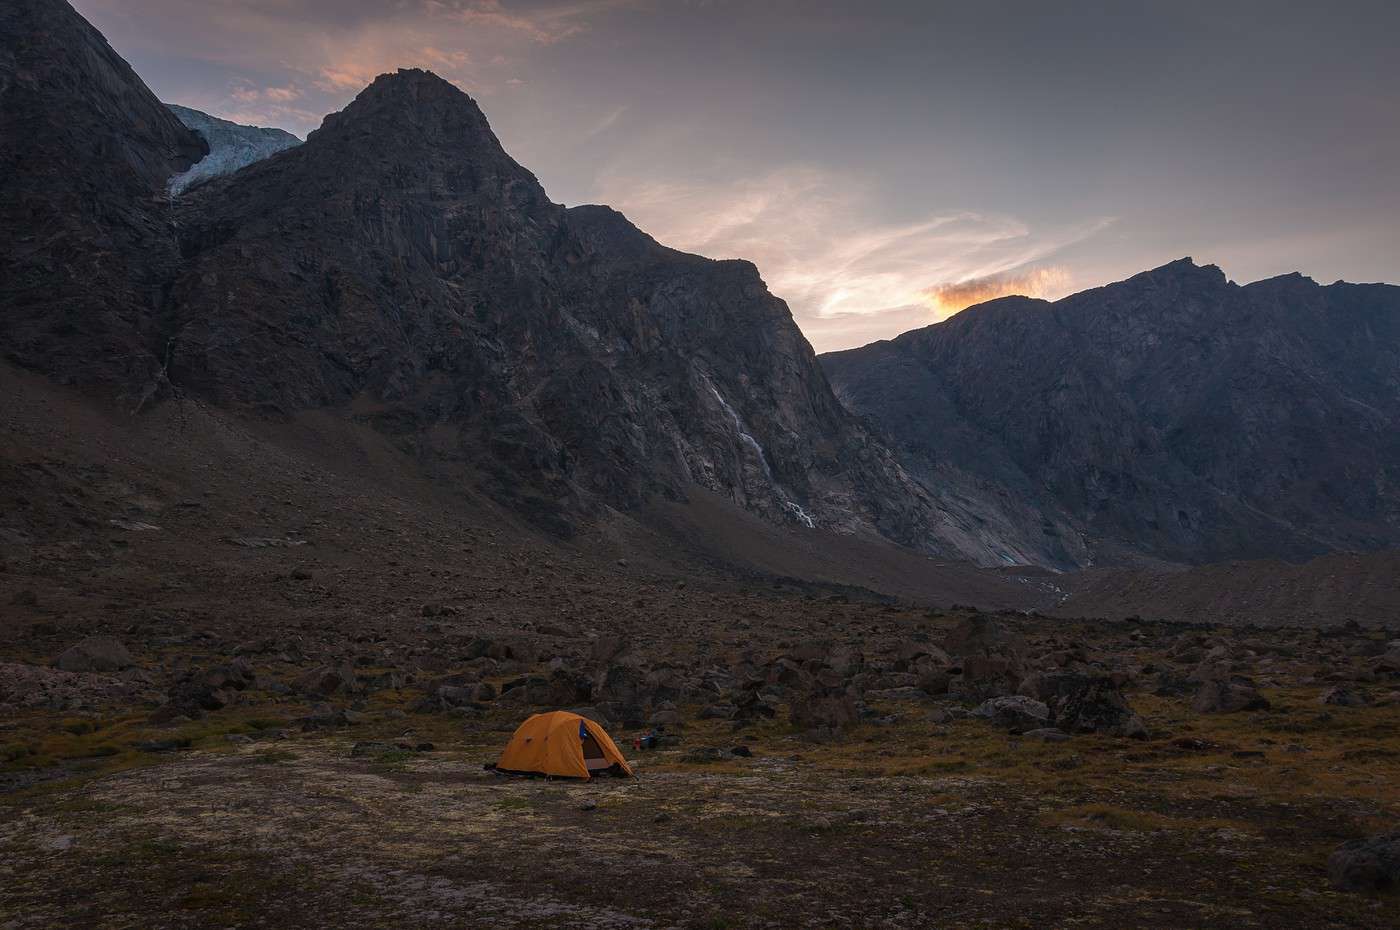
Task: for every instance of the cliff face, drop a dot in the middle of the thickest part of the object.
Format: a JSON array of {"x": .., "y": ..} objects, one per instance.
[
  {"x": 402, "y": 265},
  {"x": 231, "y": 146},
  {"x": 1175, "y": 415},
  {"x": 85, "y": 241}
]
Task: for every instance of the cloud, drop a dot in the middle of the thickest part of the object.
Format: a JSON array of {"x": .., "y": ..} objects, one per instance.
[
  {"x": 549, "y": 24},
  {"x": 820, "y": 243},
  {"x": 289, "y": 62},
  {"x": 250, "y": 95},
  {"x": 947, "y": 299},
  {"x": 606, "y": 122}
]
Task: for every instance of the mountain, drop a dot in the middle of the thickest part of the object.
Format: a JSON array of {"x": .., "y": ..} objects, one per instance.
[
  {"x": 399, "y": 268},
  {"x": 1174, "y": 416},
  {"x": 231, "y": 146},
  {"x": 85, "y": 237},
  {"x": 402, "y": 266}
]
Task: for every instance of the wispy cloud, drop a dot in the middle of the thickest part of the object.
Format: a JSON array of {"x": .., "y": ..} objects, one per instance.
[
  {"x": 608, "y": 121},
  {"x": 548, "y": 24},
  {"x": 947, "y": 299},
  {"x": 848, "y": 276},
  {"x": 293, "y": 61}
]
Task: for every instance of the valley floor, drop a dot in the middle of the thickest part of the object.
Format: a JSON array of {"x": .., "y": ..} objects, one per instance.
[
  {"x": 1227, "y": 822},
  {"x": 287, "y": 744}
]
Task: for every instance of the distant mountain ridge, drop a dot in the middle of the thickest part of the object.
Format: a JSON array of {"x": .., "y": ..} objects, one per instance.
[
  {"x": 1174, "y": 416},
  {"x": 231, "y": 146}
]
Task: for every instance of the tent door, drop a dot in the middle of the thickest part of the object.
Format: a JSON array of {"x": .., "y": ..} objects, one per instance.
[{"x": 593, "y": 755}]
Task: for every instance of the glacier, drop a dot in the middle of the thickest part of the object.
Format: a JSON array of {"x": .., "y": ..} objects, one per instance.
[{"x": 231, "y": 146}]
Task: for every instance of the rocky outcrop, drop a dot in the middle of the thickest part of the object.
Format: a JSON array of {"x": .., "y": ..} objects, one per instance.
[
  {"x": 1369, "y": 865},
  {"x": 231, "y": 146},
  {"x": 95, "y": 654},
  {"x": 1175, "y": 415},
  {"x": 1229, "y": 695}
]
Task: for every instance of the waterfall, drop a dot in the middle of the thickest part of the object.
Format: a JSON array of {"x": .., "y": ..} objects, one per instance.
[{"x": 788, "y": 503}]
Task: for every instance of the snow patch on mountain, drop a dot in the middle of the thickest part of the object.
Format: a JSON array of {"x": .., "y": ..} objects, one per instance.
[{"x": 231, "y": 146}]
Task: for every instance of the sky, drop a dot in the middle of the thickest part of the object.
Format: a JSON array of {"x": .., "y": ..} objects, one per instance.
[{"x": 884, "y": 164}]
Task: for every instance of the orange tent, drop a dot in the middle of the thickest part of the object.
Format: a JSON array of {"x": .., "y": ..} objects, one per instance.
[{"x": 563, "y": 744}]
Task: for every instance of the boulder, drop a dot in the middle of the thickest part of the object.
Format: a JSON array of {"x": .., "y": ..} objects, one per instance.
[
  {"x": 371, "y": 748},
  {"x": 845, "y": 660},
  {"x": 384, "y": 681},
  {"x": 608, "y": 648},
  {"x": 325, "y": 717},
  {"x": 1389, "y": 662},
  {"x": 213, "y": 689},
  {"x": 826, "y": 709},
  {"x": 95, "y": 654},
  {"x": 1174, "y": 684},
  {"x": 932, "y": 658},
  {"x": 1095, "y": 705},
  {"x": 237, "y": 675},
  {"x": 667, "y": 718},
  {"x": 897, "y": 694},
  {"x": 718, "y": 712},
  {"x": 982, "y": 635},
  {"x": 324, "y": 681},
  {"x": 453, "y": 695},
  {"x": 790, "y": 674},
  {"x": 1083, "y": 702},
  {"x": 1229, "y": 695},
  {"x": 630, "y": 716},
  {"x": 620, "y": 682},
  {"x": 751, "y": 704},
  {"x": 987, "y": 676},
  {"x": 664, "y": 684},
  {"x": 459, "y": 680},
  {"x": 1345, "y": 697},
  {"x": 1370, "y": 864},
  {"x": 478, "y": 648},
  {"x": 935, "y": 681},
  {"x": 1050, "y": 686},
  {"x": 1015, "y": 711},
  {"x": 538, "y": 691},
  {"x": 567, "y": 686}
]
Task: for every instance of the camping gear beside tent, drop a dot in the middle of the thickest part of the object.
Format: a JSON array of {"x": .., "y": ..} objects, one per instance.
[{"x": 563, "y": 745}]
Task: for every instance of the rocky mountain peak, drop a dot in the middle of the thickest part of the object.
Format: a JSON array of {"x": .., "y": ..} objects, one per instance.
[
  {"x": 1181, "y": 275},
  {"x": 412, "y": 106}
]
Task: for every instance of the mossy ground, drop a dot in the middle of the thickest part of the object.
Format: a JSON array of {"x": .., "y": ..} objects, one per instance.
[{"x": 1221, "y": 820}]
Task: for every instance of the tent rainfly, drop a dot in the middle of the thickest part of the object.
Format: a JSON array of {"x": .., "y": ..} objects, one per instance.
[{"x": 563, "y": 745}]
